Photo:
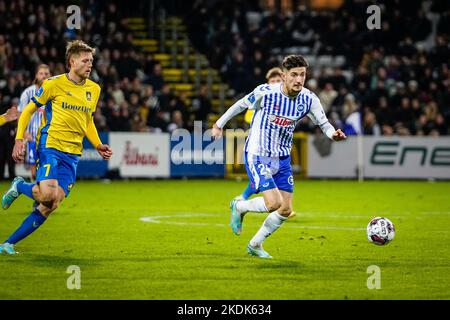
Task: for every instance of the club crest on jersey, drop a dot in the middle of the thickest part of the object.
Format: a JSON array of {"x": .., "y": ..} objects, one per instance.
[
  {"x": 301, "y": 107},
  {"x": 88, "y": 96},
  {"x": 280, "y": 121}
]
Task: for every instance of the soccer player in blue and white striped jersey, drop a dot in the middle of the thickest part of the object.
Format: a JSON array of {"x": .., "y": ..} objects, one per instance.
[
  {"x": 278, "y": 109},
  {"x": 42, "y": 73},
  {"x": 272, "y": 76}
]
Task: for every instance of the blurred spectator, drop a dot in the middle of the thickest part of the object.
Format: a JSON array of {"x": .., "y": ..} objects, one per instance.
[
  {"x": 327, "y": 96},
  {"x": 370, "y": 125},
  {"x": 156, "y": 79},
  {"x": 177, "y": 121},
  {"x": 201, "y": 106}
]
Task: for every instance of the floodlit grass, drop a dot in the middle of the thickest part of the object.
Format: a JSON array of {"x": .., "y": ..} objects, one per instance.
[{"x": 186, "y": 250}]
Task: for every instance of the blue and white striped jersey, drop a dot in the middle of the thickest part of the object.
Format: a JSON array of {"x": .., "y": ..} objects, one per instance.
[
  {"x": 36, "y": 118},
  {"x": 276, "y": 116}
]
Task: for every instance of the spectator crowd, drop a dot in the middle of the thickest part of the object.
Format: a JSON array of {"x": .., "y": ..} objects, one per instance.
[
  {"x": 396, "y": 78},
  {"x": 392, "y": 81}
]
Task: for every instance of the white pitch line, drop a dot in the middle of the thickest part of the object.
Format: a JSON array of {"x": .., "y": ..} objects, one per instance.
[{"x": 157, "y": 219}]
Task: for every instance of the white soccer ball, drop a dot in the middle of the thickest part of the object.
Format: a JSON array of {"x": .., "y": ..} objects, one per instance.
[{"x": 380, "y": 231}]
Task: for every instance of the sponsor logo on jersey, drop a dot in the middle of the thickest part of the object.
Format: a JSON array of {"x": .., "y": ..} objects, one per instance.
[
  {"x": 77, "y": 108},
  {"x": 280, "y": 121}
]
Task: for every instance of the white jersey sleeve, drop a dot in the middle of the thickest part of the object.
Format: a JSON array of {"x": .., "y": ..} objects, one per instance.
[
  {"x": 319, "y": 118},
  {"x": 25, "y": 97},
  {"x": 250, "y": 101},
  {"x": 253, "y": 99},
  {"x": 317, "y": 114},
  {"x": 234, "y": 110}
]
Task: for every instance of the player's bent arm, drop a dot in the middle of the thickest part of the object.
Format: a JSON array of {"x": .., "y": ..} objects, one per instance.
[
  {"x": 234, "y": 110},
  {"x": 318, "y": 117},
  {"x": 92, "y": 134},
  {"x": 2, "y": 119},
  {"x": 24, "y": 119}
]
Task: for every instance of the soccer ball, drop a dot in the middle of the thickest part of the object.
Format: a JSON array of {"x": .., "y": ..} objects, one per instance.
[{"x": 380, "y": 231}]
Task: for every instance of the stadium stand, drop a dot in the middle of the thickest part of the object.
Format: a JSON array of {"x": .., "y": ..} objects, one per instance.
[{"x": 162, "y": 65}]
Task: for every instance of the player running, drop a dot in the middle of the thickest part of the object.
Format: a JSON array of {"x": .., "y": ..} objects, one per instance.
[
  {"x": 272, "y": 76},
  {"x": 70, "y": 101},
  {"x": 42, "y": 73},
  {"x": 278, "y": 109}
]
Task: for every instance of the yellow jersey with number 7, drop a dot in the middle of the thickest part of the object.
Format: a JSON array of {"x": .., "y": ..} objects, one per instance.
[{"x": 68, "y": 108}]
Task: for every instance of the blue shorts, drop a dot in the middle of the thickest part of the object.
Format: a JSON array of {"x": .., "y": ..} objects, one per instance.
[
  {"x": 55, "y": 164},
  {"x": 31, "y": 153},
  {"x": 267, "y": 173}
]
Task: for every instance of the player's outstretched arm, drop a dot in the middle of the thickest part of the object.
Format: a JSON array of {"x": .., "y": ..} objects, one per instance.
[
  {"x": 10, "y": 115},
  {"x": 19, "y": 150},
  {"x": 216, "y": 132},
  {"x": 318, "y": 117},
  {"x": 234, "y": 110},
  {"x": 92, "y": 134}
]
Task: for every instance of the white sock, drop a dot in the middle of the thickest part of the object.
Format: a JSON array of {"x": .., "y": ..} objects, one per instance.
[
  {"x": 270, "y": 225},
  {"x": 254, "y": 205}
]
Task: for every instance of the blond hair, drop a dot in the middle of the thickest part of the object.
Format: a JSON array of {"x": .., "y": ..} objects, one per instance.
[
  {"x": 39, "y": 67},
  {"x": 75, "y": 48},
  {"x": 272, "y": 73}
]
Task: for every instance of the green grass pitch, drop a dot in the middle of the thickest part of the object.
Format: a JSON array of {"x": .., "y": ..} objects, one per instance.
[{"x": 184, "y": 249}]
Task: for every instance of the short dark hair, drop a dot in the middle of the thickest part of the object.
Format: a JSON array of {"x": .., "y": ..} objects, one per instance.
[{"x": 294, "y": 61}]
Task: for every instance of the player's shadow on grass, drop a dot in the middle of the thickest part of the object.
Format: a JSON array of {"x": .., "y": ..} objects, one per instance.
[
  {"x": 57, "y": 262},
  {"x": 276, "y": 264}
]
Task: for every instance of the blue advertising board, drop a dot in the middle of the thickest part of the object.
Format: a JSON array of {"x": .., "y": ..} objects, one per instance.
[{"x": 194, "y": 155}]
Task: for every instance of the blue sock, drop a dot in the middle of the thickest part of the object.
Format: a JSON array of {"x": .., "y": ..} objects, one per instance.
[
  {"x": 31, "y": 223},
  {"x": 26, "y": 189},
  {"x": 248, "y": 192}
]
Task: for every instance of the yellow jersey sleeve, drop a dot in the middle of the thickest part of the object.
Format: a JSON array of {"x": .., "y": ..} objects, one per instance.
[{"x": 2, "y": 120}]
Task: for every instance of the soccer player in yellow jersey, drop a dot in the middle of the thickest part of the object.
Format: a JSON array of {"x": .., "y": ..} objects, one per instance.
[
  {"x": 10, "y": 115},
  {"x": 70, "y": 100}
]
